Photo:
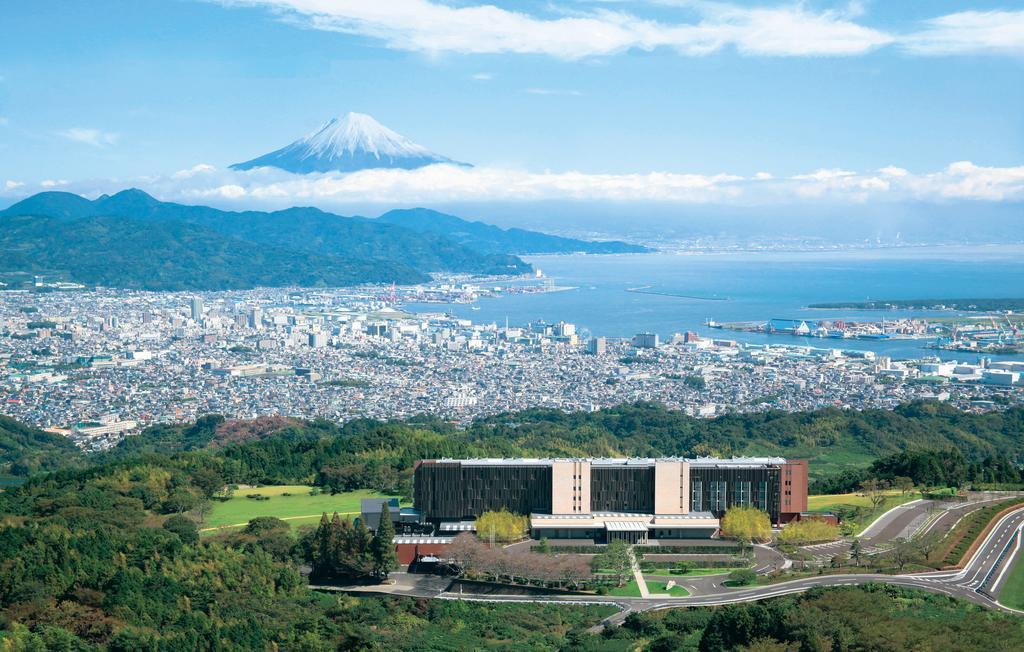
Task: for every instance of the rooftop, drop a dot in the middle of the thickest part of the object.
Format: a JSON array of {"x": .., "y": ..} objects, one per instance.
[{"x": 614, "y": 461}]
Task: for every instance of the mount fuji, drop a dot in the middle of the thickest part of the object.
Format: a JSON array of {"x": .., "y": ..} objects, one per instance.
[{"x": 349, "y": 143}]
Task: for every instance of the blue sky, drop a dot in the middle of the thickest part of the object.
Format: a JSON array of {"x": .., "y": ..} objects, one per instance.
[{"x": 107, "y": 92}]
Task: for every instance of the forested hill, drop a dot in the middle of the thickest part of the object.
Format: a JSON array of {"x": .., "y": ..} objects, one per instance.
[
  {"x": 492, "y": 239},
  {"x": 372, "y": 454},
  {"x": 109, "y": 557},
  {"x": 25, "y": 451},
  {"x": 132, "y": 240}
]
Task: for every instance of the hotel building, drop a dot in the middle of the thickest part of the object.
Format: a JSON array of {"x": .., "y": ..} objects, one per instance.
[{"x": 637, "y": 500}]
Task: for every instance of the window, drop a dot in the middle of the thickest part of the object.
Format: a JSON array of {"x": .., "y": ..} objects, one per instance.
[
  {"x": 762, "y": 496},
  {"x": 743, "y": 493},
  {"x": 719, "y": 495},
  {"x": 696, "y": 496}
]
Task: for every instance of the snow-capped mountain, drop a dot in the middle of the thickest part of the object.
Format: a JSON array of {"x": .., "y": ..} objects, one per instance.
[{"x": 352, "y": 142}]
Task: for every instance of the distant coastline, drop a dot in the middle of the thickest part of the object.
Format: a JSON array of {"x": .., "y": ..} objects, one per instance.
[{"x": 963, "y": 305}]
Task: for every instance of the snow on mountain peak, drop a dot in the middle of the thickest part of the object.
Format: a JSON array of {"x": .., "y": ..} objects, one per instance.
[
  {"x": 355, "y": 132},
  {"x": 354, "y": 141}
]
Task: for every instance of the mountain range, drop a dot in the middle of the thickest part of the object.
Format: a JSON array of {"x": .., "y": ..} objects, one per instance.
[
  {"x": 132, "y": 240},
  {"x": 488, "y": 238},
  {"x": 348, "y": 143}
]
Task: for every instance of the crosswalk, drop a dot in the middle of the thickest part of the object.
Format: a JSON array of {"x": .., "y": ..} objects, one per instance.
[{"x": 821, "y": 554}]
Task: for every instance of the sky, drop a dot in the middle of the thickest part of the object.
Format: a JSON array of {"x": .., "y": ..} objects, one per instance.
[{"x": 672, "y": 101}]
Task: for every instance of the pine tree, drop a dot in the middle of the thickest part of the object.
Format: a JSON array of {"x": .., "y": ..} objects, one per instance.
[
  {"x": 336, "y": 545},
  {"x": 362, "y": 555},
  {"x": 383, "y": 548},
  {"x": 322, "y": 549}
]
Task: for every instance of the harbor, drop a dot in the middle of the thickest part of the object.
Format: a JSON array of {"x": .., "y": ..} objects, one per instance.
[{"x": 982, "y": 335}]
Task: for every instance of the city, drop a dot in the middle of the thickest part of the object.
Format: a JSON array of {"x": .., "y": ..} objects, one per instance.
[
  {"x": 345, "y": 354},
  {"x": 562, "y": 326}
]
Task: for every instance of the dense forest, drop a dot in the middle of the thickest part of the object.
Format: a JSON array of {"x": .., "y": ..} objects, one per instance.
[
  {"x": 25, "y": 451},
  {"x": 108, "y": 555},
  {"x": 108, "y": 558},
  {"x": 932, "y": 443}
]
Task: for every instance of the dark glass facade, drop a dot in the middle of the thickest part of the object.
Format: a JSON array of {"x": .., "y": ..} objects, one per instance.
[
  {"x": 622, "y": 489},
  {"x": 715, "y": 489},
  {"x": 449, "y": 491}
]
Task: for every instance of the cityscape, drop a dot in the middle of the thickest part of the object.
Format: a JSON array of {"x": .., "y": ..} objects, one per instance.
[
  {"x": 348, "y": 354},
  {"x": 563, "y": 326}
]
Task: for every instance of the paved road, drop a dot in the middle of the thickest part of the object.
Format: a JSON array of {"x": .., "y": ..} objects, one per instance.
[
  {"x": 977, "y": 582},
  {"x": 916, "y": 518}
]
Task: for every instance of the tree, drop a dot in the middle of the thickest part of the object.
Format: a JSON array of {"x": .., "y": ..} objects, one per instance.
[
  {"x": 812, "y": 530},
  {"x": 903, "y": 552},
  {"x": 208, "y": 481},
  {"x": 747, "y": 525},
  {"x": 184, "y": 527},
  {"x": 903, "y": 483},
  {"x": 503, "y": 526},
  {"x": 617, "y": 559},
  {"x": 874, "y": 489},
  {"x": 742, "y": 577},
  {"x": 928, "y": 544},
  {"x": 856, "y": 550},
  {"x": 382, "y": 547}
]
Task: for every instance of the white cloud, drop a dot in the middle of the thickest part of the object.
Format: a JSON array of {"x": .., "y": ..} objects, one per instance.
[
  {"x": 553, "y": 91},
  {"x": 825, "y": 175},
  {"x": 201, "y": 168},
  {"x": 965, "y": 180},
  {"x": 788, "y": 28},
  {"x": 435, "y": 184},
  {"x": 228, "y": 191},
  {"x": 482, "y": 76},
  {"x": 970, "y": 32},
  {"x": 893, "y": 171},
  {"x": 53, "y": 183},
  {"x": 425, "y": 26},
  {"x": 11, "y": 185},
  {"x": 93, "y": 137}
]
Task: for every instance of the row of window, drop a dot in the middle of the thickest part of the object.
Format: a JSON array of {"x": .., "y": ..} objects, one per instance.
[{"x": 718, "y": 495}]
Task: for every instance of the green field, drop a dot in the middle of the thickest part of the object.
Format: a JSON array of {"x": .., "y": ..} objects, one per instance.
[
  {"x": 299, "y": 508},
  {"x": 628, "y": 590},
  {"x": 1012, "y": 593},
  {"x": 829, "y": 502}
]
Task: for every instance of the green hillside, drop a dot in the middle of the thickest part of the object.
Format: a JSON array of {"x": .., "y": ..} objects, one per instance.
[{"x": 135, "y": 241}]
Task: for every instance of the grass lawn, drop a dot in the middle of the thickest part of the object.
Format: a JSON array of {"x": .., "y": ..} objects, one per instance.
[
  {"x": 299, "y": 508},
  {"x": 659, "y": 587},
  {"x": 1012, "y": 593},
  {"x": 628, "y": 590},
  {"x": 828, "y": 502}
]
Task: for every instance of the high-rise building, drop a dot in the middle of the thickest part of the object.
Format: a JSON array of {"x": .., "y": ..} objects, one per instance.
[
  {"x": 197, "y": 308},
  {"x": 596, "y": 346},
  {"x": 645, "y": 340},
  {"x": 318, "y": 340},
  {"x": 255, "y": 317}
]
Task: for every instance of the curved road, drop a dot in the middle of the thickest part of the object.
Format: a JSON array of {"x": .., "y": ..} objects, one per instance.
[{"x": 978, "y": 581}]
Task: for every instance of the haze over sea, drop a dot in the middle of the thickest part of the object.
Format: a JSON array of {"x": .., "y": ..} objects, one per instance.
[{"x": 756, "y": 286}]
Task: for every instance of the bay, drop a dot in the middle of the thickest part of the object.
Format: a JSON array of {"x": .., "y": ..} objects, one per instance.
[{"x": 753, "y": 286}]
